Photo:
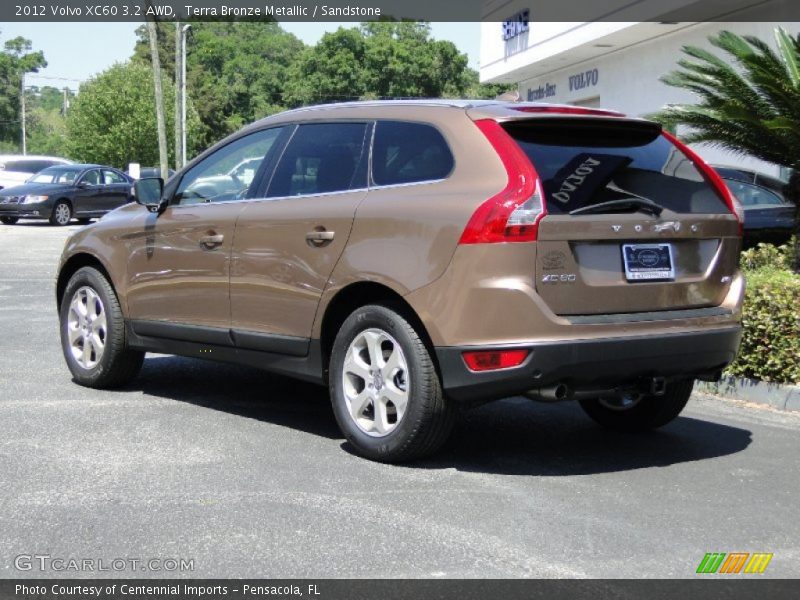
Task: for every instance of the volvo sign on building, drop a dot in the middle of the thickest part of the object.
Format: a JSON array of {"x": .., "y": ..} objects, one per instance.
[{"x": 615, "y": 64}]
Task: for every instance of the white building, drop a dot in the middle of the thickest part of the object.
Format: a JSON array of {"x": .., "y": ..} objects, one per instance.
[{"x": 615, "y": 65}]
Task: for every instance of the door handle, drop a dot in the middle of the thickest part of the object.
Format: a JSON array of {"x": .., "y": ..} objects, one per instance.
[
  {"x": 211, "y": 240},
  {"x": 319, "y": 237}
]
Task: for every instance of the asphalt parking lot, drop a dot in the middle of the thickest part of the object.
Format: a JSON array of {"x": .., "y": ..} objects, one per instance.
[{"x": 246, "y": 474}]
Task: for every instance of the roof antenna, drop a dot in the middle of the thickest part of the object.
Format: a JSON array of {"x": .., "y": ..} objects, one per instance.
[{"x": 509, "y": 96}]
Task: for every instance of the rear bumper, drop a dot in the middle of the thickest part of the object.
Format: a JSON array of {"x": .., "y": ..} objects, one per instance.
[{"x": 592, "y": 363}]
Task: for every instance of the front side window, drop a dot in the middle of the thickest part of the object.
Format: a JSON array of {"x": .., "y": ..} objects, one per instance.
[
  {"x": 321, "y": 158},
  {"x": 409, "y": 153},
  {"x": 228, "y": 173}
]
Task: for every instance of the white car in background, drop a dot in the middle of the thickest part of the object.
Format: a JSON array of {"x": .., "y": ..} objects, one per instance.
[{"x": 16, "y": 169}]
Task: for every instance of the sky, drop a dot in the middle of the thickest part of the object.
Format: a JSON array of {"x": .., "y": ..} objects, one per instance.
[{"x": 76, "y": 51}]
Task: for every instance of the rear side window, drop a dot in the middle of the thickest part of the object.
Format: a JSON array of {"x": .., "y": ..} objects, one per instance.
[
  {"x": 581, "y": 164},
  {"x": 28, "y": 166},
  {"x": 112, "y": 177},
  {"x": 753, "y": 196},
  {"x": 321, "y": 158},
  {"x": 408, "y": 153}
]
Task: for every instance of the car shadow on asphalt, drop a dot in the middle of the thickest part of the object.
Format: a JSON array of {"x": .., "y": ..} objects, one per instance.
[
  {"x": 239, "y": 390},
  {"x": 513, "y": 436},
  {"x": 520, "y": 437}
]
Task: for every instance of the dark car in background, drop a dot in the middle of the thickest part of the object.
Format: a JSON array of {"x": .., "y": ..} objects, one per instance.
[
  {"x": 60, "y": 193},
  {"x": 768, "y": 214}
]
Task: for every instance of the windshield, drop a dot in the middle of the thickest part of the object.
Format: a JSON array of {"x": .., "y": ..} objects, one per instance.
[{"x": 56, "y": 175}]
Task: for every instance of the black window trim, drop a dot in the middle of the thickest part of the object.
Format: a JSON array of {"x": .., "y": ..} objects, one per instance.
[{"x": 371, "y": 182}]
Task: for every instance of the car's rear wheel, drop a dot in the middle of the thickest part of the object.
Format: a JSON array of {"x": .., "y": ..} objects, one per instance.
[
  {"x": 9, "y": 220},
  {"x": 93, "y": 333},
  {"x": 62, "y": 213},
  {"x": 640, "y": 413},
  {"x": 386, "y": 394}
]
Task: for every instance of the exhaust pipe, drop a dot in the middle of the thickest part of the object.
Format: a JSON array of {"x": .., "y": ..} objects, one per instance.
[{"x": 553, "y": 393}]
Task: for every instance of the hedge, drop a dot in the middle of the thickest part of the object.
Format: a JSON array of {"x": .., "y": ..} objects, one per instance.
[{"x": 770, "y": 349}]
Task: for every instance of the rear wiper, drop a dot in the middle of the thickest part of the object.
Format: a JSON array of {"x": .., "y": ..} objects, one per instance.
[{"x": 640, "y": 204}]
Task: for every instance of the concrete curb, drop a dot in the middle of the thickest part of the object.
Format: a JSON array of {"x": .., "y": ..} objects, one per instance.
[{"x": 776, "y": 395}]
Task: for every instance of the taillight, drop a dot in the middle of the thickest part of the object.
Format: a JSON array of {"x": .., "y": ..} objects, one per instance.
[
  {"x": 569, "y": 110},
  {"x": 492, "y": 360},
  {"x": 712, "y": 176},
  {"x": 514, "y": 213}
]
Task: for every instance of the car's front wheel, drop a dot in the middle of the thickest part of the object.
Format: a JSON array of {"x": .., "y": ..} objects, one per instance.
[
  {"x": 640, "y": 413},
  {"x": 386, "y": 394},
  {"x": 62, "y": 213},
  {"x": 93, "y": 333},
  {"x": 9, "y": 220}
]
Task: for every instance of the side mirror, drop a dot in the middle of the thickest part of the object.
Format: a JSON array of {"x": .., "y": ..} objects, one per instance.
[
  {"x": 83, "y": 184},
  {"x": 148, "y": 192}
]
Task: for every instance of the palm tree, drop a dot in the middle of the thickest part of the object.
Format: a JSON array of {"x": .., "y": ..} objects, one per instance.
[{"x": 749, "y": 101}]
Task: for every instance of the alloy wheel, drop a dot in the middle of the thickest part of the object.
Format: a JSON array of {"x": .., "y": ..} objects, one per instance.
[
  {"x": 87, "y": 328},
  {"x": 375, "y": 382},
  {"x": 63, "y": 213}
]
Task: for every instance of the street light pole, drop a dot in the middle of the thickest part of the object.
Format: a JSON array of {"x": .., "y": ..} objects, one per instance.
[
  {"x": 178, "y": 103},
  {"x": 184, "y": 32},
  {"x": 22, "y": 114}
]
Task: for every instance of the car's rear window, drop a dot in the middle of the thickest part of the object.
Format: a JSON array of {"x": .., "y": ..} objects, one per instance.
[
  {"x": 27, "y": 165},
  {"x": 582, "y": 163}
]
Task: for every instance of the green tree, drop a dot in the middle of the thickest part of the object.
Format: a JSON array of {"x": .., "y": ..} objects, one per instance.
[
  {"x": 46, "y": 122},
  {"x": 382, "y": 59},
  {"x": 16, "y": 59},
  {"x": 475, "y": 89},
  {"x": 236, "y": 71},
  {"x": 749, "y": 101},
  {"x": 332, "y": 71},
  {"x": 112, "y": 120}
]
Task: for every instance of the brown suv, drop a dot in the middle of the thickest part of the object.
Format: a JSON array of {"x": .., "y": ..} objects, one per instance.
[{"x": 418, "y": 256}]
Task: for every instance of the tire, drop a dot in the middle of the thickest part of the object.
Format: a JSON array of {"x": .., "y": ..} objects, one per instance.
[
  {"x": 650, "y": 412},
  {"x": 62, "y": 213},
  {"x": 107, "y": 362},
  {"x": 382, "y": 430},
  {"x": 9, "y": 220}
]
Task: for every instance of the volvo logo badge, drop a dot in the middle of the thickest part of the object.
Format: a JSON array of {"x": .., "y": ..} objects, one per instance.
[{"x": 674, "y": 225}]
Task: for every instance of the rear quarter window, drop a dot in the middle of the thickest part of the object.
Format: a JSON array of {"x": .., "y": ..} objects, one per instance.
[
  {"x": 581, "y": 164},
  {"x": 409, "y": 153}
]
